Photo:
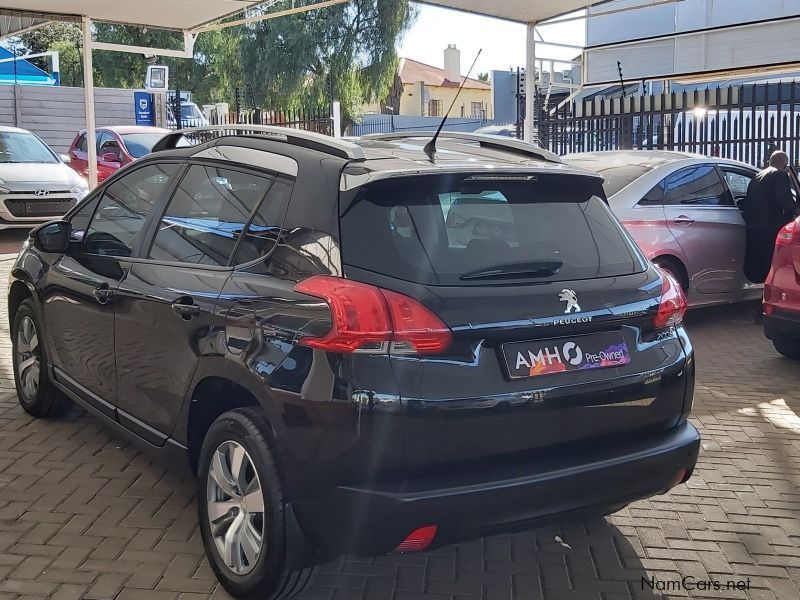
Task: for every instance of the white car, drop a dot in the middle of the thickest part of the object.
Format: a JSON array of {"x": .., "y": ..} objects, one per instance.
[{"x": 36, "y": 185}]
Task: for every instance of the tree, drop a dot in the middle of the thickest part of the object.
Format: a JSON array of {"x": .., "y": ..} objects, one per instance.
[
  {"x": 42, "y": 39},
  {"x": 64, "y": 38},
  {"x": 346, "y": 52},
  {"x": 484, "y": 77}
]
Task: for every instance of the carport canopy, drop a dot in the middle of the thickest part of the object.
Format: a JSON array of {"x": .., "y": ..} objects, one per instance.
[{"x": 191, "y": 16}]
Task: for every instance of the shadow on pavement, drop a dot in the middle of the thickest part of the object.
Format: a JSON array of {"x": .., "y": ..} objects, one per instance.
[{"x": 592, "y": 560}]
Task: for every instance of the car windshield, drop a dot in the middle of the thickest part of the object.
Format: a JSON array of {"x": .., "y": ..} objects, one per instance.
[
  {"x": 616, "y": 174},
  {"x": 139, "y": 144},
  {"x": 189, "y": 111},
  {"x": 467, "y": 230},
  {"x": 22, "y": 147}
]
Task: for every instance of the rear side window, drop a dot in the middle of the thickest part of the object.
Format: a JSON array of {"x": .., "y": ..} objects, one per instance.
[
  {"x": 698, "y": 186},
  {"x": 264, "y": 230},
  {"x": 81, "y": 145},
  {"x": 118, "y": 222},
  {"x": 456, "y": 230},
  {"x": 207, "y": 214}
]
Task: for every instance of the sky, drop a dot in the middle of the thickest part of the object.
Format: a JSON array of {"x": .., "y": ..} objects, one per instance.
[{"x": 503, "y": 42}]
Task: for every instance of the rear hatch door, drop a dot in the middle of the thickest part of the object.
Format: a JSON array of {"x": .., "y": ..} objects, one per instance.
[{"x": 550, "y": 304}]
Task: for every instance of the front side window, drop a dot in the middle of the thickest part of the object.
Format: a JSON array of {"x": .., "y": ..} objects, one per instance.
[
  {"x": 696, "y": 186},
  {"x": 207, "y": 214},
  {"x": 80, "y": 219},
  {"x": 738, "y": 182},
  {"x": 119, "y": 220}
]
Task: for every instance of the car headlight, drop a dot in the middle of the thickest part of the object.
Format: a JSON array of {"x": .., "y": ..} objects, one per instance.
[{"x": 80, "y": 190}]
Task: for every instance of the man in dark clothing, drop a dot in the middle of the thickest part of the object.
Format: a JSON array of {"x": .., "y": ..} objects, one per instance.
[{"x": 769, "y": 205}]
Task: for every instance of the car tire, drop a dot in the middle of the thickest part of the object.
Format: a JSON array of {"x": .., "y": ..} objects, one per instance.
[
  {"x": 247, "y": 497},
  {"x": 788, "y": 346},
  {"x": 674, "y": 268},
  {"x": 36, "y": 392}
]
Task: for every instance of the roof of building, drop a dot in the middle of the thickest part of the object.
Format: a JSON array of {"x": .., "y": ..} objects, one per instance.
[{"x": 412, "y": 71}]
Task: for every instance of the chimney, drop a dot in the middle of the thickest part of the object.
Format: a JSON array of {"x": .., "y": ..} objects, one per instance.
[{"x": 452, "y": 63}]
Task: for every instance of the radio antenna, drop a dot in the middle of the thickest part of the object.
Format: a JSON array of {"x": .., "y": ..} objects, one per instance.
[{"x": 430, "y": 147}]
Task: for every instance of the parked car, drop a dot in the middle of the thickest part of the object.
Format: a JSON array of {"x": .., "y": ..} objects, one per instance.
[
  {"x": 293, "y": 313},
  {"x": 682, "y": 211},
  {"x": 191, "y": 116},
  {"x": 116, "y": 147},
  {"x": 501, "y": 130},
  {"x": 35, "y": 184},
  {"x": 782, "y": 293}
]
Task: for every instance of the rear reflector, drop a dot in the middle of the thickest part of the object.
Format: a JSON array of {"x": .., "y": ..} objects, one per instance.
[
  {"x": 679, "y": 478},
  {"x": 418, "y": 540},
  {"x": 365, "y": 318},
  {"x": 673, "y": 303}
]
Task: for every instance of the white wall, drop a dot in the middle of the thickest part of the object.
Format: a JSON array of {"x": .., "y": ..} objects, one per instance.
[{"x": 689, "y": 15}]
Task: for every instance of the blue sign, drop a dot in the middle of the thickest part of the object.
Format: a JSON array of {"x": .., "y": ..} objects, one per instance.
[{"x": 143, "y": 107}]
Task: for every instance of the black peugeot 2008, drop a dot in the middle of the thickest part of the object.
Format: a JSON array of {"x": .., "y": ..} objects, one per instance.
[{"x": 361, "y": 347}]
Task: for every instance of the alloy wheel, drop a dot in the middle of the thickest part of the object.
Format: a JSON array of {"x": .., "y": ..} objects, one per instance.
[
  {"x": 235, "y": 507},
  {"x": 27, "y": 357}
]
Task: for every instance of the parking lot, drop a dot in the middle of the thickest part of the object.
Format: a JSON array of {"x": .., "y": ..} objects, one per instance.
[{"x": 84, "y": 515}]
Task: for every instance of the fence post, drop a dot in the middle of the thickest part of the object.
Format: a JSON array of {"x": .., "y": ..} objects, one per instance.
[
  {"x": 336, "y": 115},
  {"x": 17, "y": 106}
]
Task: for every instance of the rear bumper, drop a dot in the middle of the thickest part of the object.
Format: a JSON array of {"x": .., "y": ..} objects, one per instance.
[
  {"x": 374, "y": 520},
  {"x": 782, "y": 323}
]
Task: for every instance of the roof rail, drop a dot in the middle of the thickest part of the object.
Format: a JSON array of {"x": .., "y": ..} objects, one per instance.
[
  {"x": 297, "y": 137},
  {"x": 494, "y": 142}
]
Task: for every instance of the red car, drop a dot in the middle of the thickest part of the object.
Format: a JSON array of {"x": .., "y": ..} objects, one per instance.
[
  {"x": 782, "y": 293},
  {"x": 116, "y": 147}
]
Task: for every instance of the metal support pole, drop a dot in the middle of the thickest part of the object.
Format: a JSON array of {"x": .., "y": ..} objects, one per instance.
[
  {"x": 88, "y": 97},
  {"x": 530, "y": 85}
]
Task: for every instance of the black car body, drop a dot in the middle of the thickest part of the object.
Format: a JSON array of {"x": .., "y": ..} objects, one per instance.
[{"x": 412, "y": 390}]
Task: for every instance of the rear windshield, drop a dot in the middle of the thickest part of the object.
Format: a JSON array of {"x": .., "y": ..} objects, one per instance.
[
  {"x": 617, "y": 176},
  {"x": 461, "y": 230}
]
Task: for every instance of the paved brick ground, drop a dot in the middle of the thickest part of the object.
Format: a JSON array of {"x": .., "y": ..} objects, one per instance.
[{"x": 83, "y": 515}]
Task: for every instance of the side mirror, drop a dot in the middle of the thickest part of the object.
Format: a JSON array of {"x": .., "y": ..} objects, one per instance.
[
  {"x": 52, "y": 237},
  {"x": 110, "y": 157},
  {"x": 65, "y": 158}
]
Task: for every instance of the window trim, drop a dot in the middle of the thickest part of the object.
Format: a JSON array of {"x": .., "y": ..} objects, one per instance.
[
  {"x": 101, "y": 191},
  {"x": 150, "y": 237}
]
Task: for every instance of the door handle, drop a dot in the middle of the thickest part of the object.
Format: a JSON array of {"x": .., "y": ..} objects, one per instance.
[
  {"x": 683, "y": 220},
  {"x": 103, "y": 293},
  {"x": 185, "y": 308}
]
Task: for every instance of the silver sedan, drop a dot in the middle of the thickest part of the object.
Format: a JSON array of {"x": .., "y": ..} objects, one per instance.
[{"x": 682, "y": 211}]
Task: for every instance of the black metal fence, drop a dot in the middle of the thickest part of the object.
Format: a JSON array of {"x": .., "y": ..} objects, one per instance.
[
  {"x": 317, "y": 119},
  {"x": 743, "y": 123},
  {"x": 312, "y": 119}
]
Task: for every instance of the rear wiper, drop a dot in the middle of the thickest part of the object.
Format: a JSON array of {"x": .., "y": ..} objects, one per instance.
[{"x": 543, "y": 268}]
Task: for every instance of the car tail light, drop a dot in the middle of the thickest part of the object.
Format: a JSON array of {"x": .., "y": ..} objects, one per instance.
[
  {"x": 418, "y": 540},
  {"x": 788, "y": 234},
  {"x": 673, "y": 303},
  {"x": 365, "y": 318}
]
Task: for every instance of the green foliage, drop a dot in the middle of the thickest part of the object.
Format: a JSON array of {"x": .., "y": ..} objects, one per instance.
[
  {"x": 71, "y": 64},
  {"x": 484, "y": 77},
  {"x": 42, "y": 39},
  {"x": 346, "y": 52}
]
